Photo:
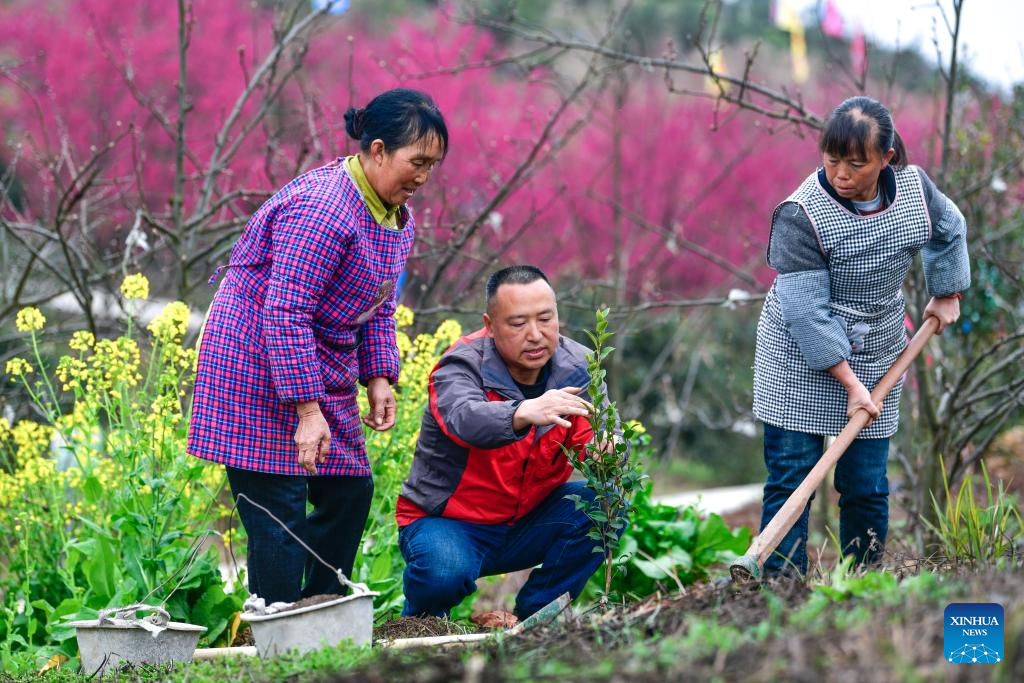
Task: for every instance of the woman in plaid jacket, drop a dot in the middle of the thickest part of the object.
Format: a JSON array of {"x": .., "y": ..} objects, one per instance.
[
  {"x": 303, "y": 313},
  {"x": 833, "y": 321}
]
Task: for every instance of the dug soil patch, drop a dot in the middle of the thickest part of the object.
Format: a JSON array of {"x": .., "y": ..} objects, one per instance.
[
  {"x": 724, "y": 632},
  {"x": 421, "y": 627}
]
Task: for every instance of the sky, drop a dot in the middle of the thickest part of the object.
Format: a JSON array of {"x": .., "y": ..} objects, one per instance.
[{"x": 991, "y": 30}]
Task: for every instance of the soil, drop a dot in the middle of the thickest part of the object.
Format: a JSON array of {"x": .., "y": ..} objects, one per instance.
[
  {"x": 422, "y": 627},
  {"x": 883, "y": 640},
  {"x": 312, "y": 600},
  {"x": 243, "y": 637}
]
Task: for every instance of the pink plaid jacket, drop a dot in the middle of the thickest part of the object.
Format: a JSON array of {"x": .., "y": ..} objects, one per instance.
[{"x": 304, "y": 311}]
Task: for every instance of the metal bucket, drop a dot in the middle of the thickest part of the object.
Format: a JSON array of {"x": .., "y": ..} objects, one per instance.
[
  {"x": 106, "y": 643},
  {"x": 310, "y": 628}
]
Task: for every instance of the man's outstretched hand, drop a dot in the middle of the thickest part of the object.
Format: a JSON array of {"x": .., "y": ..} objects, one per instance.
[{"x": 553, "y": 407}]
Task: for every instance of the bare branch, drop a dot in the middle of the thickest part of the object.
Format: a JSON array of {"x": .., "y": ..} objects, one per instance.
[
  {"x": 293, "y": 31},
  {"x": 790, "y": 109},
  {"x": 507, "y": 189}
]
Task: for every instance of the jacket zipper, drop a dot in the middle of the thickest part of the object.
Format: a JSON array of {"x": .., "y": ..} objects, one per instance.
[{"x": 522, "y": 481}]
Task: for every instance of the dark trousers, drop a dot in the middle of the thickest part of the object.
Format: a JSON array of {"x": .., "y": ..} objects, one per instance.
[
  {"x": 445, "y": 557},
  {"x": 860, "y": 479},
  {"x": 277, "y": 564}
]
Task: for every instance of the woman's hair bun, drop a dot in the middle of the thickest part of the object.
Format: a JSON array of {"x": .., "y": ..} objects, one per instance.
[{"x": 354, "y": 122}]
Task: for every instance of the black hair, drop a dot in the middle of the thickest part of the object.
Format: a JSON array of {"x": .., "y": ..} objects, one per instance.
[
  {"x": 513, "y": 275},
  {"x": 858, "y": 123},
  {"x": 398, "y": 117}
]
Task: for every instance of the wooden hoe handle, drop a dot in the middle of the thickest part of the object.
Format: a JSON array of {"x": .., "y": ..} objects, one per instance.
[{"x": 749, "y": 566}]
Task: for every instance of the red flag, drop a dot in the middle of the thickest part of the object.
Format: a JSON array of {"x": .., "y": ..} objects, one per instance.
[{"x": 832, "y": 21}]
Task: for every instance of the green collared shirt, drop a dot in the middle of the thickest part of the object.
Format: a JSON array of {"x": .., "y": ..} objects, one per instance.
[{"x": 382, "y": 213}]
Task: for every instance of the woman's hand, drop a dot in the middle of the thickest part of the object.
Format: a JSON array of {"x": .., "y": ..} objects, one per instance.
[
  {"x": 313, "y": 436},
  {"x": 945, "y": 309},
  {"x": 857, "y": 395},
  {"x": 381, "y": 415}
]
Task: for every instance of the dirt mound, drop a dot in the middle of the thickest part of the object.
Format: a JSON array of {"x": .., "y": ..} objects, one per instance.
[
  {"x": 727, "y": 632},
  {"x": 421, "y": 627}
]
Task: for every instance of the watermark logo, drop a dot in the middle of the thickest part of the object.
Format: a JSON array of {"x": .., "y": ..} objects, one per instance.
[{"x": 973, "y": 632}]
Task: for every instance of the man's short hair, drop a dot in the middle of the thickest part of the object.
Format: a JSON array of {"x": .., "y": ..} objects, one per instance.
[{"x": 513, "y": 275}]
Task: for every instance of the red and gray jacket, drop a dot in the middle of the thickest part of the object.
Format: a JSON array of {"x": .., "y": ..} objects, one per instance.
[{"x": 470, "y": 464}]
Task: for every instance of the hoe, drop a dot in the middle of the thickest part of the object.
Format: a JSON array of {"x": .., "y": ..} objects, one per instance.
[{"x": 749, "y": 566}]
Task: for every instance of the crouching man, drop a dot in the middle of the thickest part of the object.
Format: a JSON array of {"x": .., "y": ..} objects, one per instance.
[{"x": 486, "y": 492}]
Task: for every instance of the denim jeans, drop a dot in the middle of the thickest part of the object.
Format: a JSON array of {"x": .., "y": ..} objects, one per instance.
[
  {"x": 860, "y": 479},
  {"x": 276, "y": 562},
  {"x": 444, "y": 557}
]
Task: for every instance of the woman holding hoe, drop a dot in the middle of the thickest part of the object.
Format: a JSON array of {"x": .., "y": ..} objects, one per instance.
[
  {"x": 303, "y": 313},
  {"x": 833, "y": 321}
]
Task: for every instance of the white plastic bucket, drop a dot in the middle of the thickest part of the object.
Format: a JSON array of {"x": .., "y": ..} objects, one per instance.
[
  {"x": 105, "y": 643},
  {"x": 313, "y": 627}
]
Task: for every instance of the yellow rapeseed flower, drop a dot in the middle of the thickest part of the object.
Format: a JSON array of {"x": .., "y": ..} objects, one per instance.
[
  {"x": 29, "y": 319},
  {"x": 71, "y": 372},
  {"x": 31, "y": 438},
  {"x": 38, "y": 470},
  {"x": 404, "y": 317},
  {"x": 448, "y": 332},
  {"x": 637, "y": 426},
  {"x": 18, "y": 367},
  {"x": 187, "y": 359},
  {"x": 8, "y": 490},
  {"x": 81, "y": 416},
  {"x": 170, "y": 325},
  {"x": 403, "y": 343},
  {"x": 424, "y": 344},
  {"x": 64, "y": 423},
  {"x": 115, "y": 361},
  {"x": 82, "y": 341},
  {"x": 135, "y": 286}
]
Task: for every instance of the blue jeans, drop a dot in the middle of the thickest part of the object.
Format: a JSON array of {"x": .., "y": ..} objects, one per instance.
[
  {"x": 276, "y": 563},
  {"x": 445, "y": 557},
  {"x": 860, "y": 479}
]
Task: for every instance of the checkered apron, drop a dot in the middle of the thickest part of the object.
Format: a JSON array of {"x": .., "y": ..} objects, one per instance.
[{"x": 868, "y": 259}]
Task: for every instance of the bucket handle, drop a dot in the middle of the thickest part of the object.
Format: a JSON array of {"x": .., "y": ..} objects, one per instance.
[
  {"x": 126, "y": 616},
  {"x": 358, "y": 588}
]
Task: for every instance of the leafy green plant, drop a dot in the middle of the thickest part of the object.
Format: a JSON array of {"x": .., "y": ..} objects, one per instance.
[
  {"x": 667, "y": 548},
  {"x": 101, "y": 505},
  {"x": 970, "y": 531},
  {"x": 844, "y": 582},
  {"x": 610, "y": 473}
]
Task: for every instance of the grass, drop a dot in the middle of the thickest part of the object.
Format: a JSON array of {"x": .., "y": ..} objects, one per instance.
[
  {"x": 969, "y": 531},
  {"x": 852, "y": 626}
]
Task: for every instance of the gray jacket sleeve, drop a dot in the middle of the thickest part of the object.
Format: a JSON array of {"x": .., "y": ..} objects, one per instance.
[
  {"x": 803, "y": 289},
  {"x": 463, "y": 411},
  {"x": 947, "y": 269}
]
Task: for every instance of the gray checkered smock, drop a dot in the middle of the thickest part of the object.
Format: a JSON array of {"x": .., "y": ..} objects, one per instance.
[{"x": 868, "y": 258}]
